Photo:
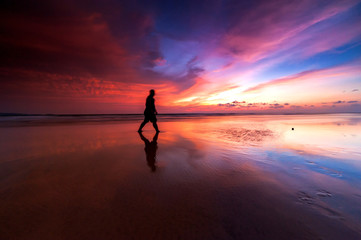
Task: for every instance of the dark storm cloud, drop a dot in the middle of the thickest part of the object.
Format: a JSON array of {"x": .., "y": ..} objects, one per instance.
[
  {"x": 110, "y": 40},
  {"x": 77, "y": 38}
]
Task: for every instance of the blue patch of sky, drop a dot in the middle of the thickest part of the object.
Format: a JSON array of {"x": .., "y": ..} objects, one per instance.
[
  {"x": 216, "y": 62},
  {"x": 178, "y": 45},
  {"x": 339, "y": 55},
  {"x": 335, "y": 57},
  {"x": 177, "y": 55},
  {"x": 188, "y": 19}
]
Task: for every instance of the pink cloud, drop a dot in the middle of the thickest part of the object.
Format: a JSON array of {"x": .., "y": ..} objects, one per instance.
[
  {"x": 310, "y": 75},
  {"x": 274, "y": 27}
]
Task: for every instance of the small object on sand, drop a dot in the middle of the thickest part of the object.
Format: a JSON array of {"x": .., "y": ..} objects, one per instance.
[{"x": 293, "y": 129}]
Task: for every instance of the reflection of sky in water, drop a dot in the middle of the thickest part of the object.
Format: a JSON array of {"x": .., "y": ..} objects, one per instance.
[
  {"x": 326, "y": 144},
  {"x": 320, "y": 158},
  {"x": 329, "y": 144},
  {"x": 317, "y": 164}
]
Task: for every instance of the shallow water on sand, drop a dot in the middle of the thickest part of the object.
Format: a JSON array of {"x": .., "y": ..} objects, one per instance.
[{"x": 202, "y": 177}]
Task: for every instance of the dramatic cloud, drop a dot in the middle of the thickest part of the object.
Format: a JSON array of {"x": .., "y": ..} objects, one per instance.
[{"x": 104, "y": 56}]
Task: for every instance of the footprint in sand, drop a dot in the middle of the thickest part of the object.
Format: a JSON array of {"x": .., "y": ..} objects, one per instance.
[
  {"x": 323, "y": 193},
  {"x": 303, "y": 197},
  {"x": 319, "y": 205}
]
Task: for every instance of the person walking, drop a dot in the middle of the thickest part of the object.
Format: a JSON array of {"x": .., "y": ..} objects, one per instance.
[{"x": 150, "y": 112}]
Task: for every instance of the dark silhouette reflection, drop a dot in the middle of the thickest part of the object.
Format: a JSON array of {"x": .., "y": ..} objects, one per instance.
[{"x": 150, "y": 150}]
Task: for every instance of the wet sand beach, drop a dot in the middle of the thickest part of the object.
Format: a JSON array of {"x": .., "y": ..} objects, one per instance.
[{"x": 202, "y": 177}]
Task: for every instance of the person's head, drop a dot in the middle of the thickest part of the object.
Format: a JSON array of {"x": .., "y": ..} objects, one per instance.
[{"x": 151, "y": 92}]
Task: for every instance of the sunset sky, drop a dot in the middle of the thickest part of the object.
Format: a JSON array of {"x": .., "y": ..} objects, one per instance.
[{"x": 266, "y": 56}]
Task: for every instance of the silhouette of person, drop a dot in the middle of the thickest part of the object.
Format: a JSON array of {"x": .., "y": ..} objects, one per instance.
[
  {"x": 150, "y": 112},
  {"x": 150, "y": 150}
]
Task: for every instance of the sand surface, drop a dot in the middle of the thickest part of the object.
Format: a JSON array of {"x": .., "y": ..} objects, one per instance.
[{"x": 215, "y": 177}]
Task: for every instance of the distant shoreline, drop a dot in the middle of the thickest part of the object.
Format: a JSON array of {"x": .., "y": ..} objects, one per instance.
[
  {"x": 18, "y": 120},
  {"x": 161, "y": 114}
]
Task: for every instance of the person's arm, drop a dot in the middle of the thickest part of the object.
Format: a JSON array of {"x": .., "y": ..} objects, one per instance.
[{"x": 155, "y": 110}]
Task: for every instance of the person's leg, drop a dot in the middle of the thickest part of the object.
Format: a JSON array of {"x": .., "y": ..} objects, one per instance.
[
  {"x": 155, "y": 126},
  {"x": 142, "y": 125},
  {"x": 153, "y": 119}
]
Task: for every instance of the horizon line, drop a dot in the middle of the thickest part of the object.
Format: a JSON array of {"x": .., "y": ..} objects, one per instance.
[{"x": 6, "y": 114}]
